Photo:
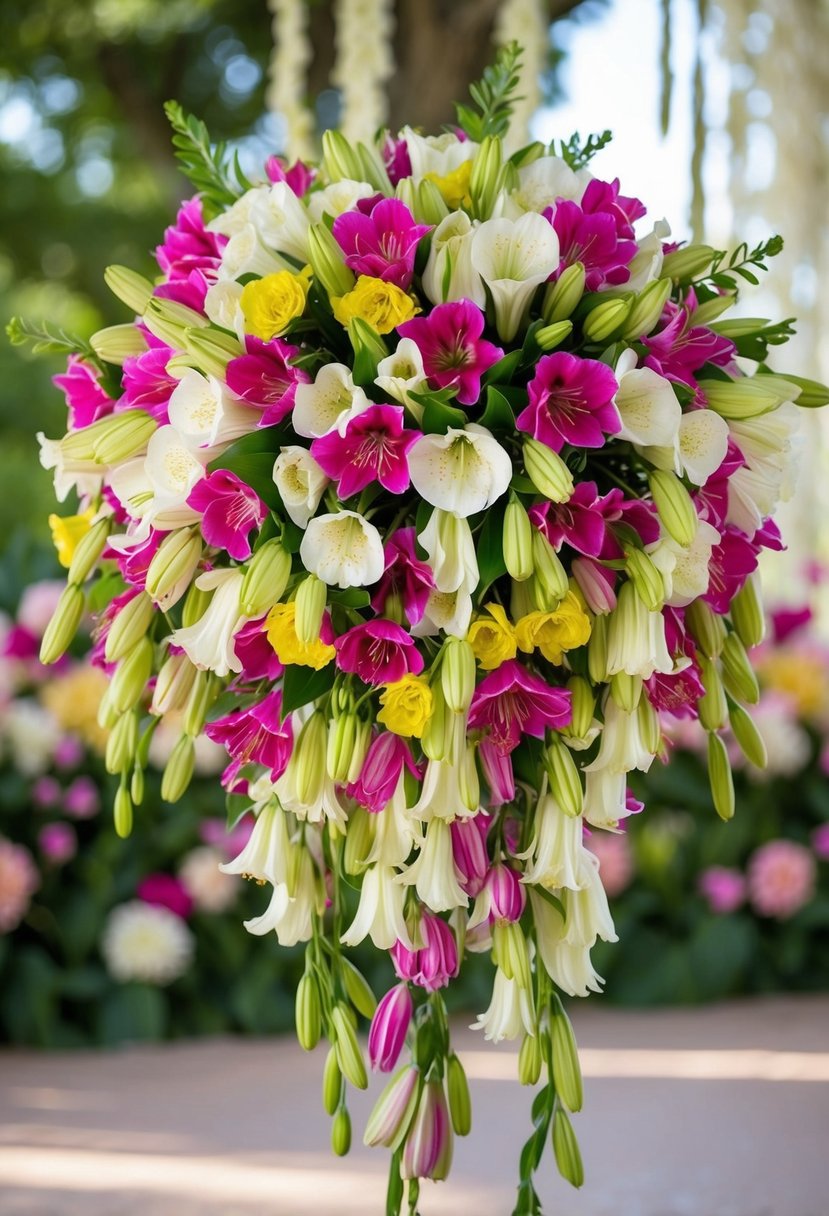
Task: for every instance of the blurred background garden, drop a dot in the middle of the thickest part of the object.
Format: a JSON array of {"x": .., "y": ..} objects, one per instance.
[{"x": 102, "y": 942}]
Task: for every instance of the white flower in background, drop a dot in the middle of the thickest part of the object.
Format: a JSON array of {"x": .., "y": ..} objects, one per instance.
[
  {"x": 543, "y": 182},
  {"x": 464, "y": 471},
  {"x": 30, "y": 736},
  {"x": 204, "y": 413},
  {"x": 266, "y": 854},
  {"x": 223, "y": 305},
  {"x": 210, "y": 757},
  {"x": 147, "y": 943},
  {"x": 437, "y": 154},
  {"x": 787, "y": 744},
  {"x": 332, "y": 400},
  {"x": 605, "y": 799},
  {"x": 556, "y": 847},
  {"x": 300, "y": 481},
  {"x": 647, "y": 405},
  {"x": 343, "y": 549},
  {"x": 647, "y": 263},
  {"x": 621, "y": 746},
  {"x": 209, "y": 889},
  {"x": 513, "y": 257},
  {"x": 363, "y": 64},
  {"x": 450, "y": 549},
  {"x": 527, "y": 23},
  {"x": 401, "y": 374},
  {"x": 208, "y": 643},
  {"x": 287, "y": 76},
  {"x": 337, "y": 198},
  {"x": 510, "y": 1011},
  {"x": 433, "y": 872},
  {"x": 690, "y": 573},
  {"x": 380, "y": 911},
  {"x": 245, "y": 253},
  {"x": 449, "y": 611},
  {"x": 84, "y": 476},
  {"x": 449, "y": 273},
  {"x": 275, "y": 212}
]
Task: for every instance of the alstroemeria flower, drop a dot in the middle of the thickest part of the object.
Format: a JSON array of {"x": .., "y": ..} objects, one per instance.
[
  {"x": 170, "y": 471},
  {"x": 454, "y": 354},
  {"x": 571, "y": 401},
  {"x": 330, "y": 401},
  {"x": 382, "y": 770},
  {"x": 209, "y": 643},
  {"x": 372, "y": 447},
  {"x": 732, "y": 561},
  {"x": 188, "y": 245},
  {"x": 679, "y": 349},
  {"x": 204, "y": 413},
  {"x": 406, "y": 577},
  {"x": 449, "y": 273},
  {"x": 402, "y": 374},
  {"x": 230, "y": 512},
  {"x": 379, "y": 652},
  {"x": 592, "y": 240},
  {"x": 433, "y": 963},
  {"x": 300, "y": 481},
  {"x": 579, "y": 522},
  {"x": 338, "y": 197},
  {"x": 263, "y": 377},
  {"x": 464, "y": 471},
  {"x": 513, "y": 257},
  {"x": 146, "y": 383},
  {"x": 343, "y": 549},
  {"x": 277, "y": 215},
  {"x": 85, "y": 399},
  {"x": 647, "y": 405},
  {"x": 246, "y": 254},
  {"x": 254, "y": 734},
  {"x": 382, "y": 243},
  {"x": 299, "y": 176},
  {"x": 511, "y": 701}
]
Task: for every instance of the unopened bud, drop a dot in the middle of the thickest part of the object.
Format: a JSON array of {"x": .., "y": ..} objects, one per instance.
[
  {"x": 211, "y": 350},
  {"x": 129, "y": 627},
  {"x": 547, "y": 471},
  {"x": 674, "y": 506},
  {"x": 646, "y": 578},
  {"x": 649, "y": 728},
  {"x": 311, "y": 598},
  {"x": 349, "y": 1056},
  {"x": 308, "y": 1012},
  {"x": 739, "y": 677},
  {"x": 173, "y": 566},
  {"x": 362, "y": 741},
  {"x": 342, "y": 732},
  {"x": 460, "y": 1103},
  {"x": 689, "y": 263},
  {"x": 121, "y": 744},
  {"x": 583, "y": 705},
  {"x": 483, "y": 181},
  {"x": 518, "y": 541},
  {"x": 130, "y": 680},
  {"x": 550, "y": 584},
  {"x": 178, "y": 772},
  {"x": 566, "y": 1149},
  {"x": 266, "y": 577},
  {"x": 137, "y": 786},
  {"x": 457, "y": 674},
  {"x": 436, "y": 736},
  {"x": 169, "y": 321},
  {"x": 339, "y": 159},
  {"x": 116, "y": 343},
  {"x": 332, "y": 1082},
  {"x": 647, "y": 309},
  {"x": 327, "y": 261},
  {"x": 429, "y": 205},
  {"x": 566, "y": 1067},
  {"x": 87, "y": 551},
  {"x": 529, "y": 1060},
  {"x": 341, "y": 1132},
  {"x": 551, "y": 336},
  {"x": 202, "y": 696},
  {"x": 392, "y": 1115},
  {"x": 510, "y": 952},
  {"x": 606, "y": 319},
  {"x": 121, "y": 436},
  {"x": 358, "y": 841},
  {"x": 129, "y": 287},
  {"x": 173, "y": 685},
  {"x": 706, "y": 628},
  {"x": 719, "y": 777},
  {"x": 358, "y": 989},
  {"x": 63, "y": 626},
  {"x": 711, "y": 707},
  {"x": 309, "y": 757},
  {"x": 561, "y": 297},
  {"x": 122, "y": 812},
  {"x": 565, "y": 781},
  {"x": 748, "y": 736},
  {"x": 626, "y": 690},
  {"x": 597, "y": 651},
  {"x": 195, "y": 605},
  {"x": 746, "y": 612},
  {"x": 750, "y": 397}
]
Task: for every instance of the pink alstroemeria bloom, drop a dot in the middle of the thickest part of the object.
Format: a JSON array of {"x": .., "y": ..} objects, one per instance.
[
  {"x": 381, "y": 244},
  {"x": 579, "y": 522},
  {"x": 596, "y": 583},
  {"x": 469, "y": 850},
  {"x": 134, "y": 562},
  {"x": 435, "y": 963},
  {"x": 732, "y": 561},
  {"x": 374, "y": 447},
  {"x": 230, "y": 512},
  {"x": 512, "y": 701},
  {"x": 498, "y": 772},
  {"x": 263, "y": 377},
  {"x": 165, "y": 891},
  {"x": 406, "y": 578},
  {"x": 505, "y": 893},
  {"x": 679, "y": 349},
  {"x": 604, "y": 197},
  {"x": 188, "y": 245},
  {"x": 676, "y": 693},
  {"x": 711, "y": 500},
  {"x": 635, "y": 513},
  {"x": 593, "y": 241},
  {"x": 395, "y": 153},
  {"x": 85, "y": 399},
  {"x": 255, "y": 653},
  {"x": 147, "y": 385},
  {"x": 254, "y": 735},
  {"x": 379, "y": 652},
  {"x": 298, "y": 176},
  {"x": 46, "y": 792},
  {"x": 387, "y": 1032},
  {"x": 190, "y": 290},
  {"x": 385, "y": 760},
  {"x": 571, "y": 401},
  {"x": 454, "y": 353}
]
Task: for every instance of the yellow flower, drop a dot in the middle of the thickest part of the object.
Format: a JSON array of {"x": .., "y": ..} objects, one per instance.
[
  {"x": 407, "y": 706},
  {"x": 280, "y": 628},
  {"x": 492, "y": 638},
  {"x": 565, "y": 628},
  {"x": 73, "y": 700},
  {"x": 454, "y": 186},
  {"x": 271, "y": 303},
  {"x": 67, "y": 530},
  {"x": 800, "y": 677},
  {"x": 382, "y": 305}
]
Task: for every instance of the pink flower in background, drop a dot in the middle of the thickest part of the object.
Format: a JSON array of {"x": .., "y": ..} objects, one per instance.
[
  {"x": 381, "y": 772},
  {"x": 469, "y": 850},
  {"x": 165, "y": 891},
  {"x": 254, "y": 734},
  {"x": 298, "y": 176},
  {"x": 781, "y": 878},
  {"x": 85, "y": 399},
  {"x": 723, "y": 888},
  {"x": 379, "y": 652},
  {"x": 188, "y": 245},
  {"x": 58, "y": 842},
  {"x": 82, "y": 799},
  {"x": 19, "y": 879},
  {"x": 147, "y": 385},
  {"x": 406, "y": 577},
  {"x": 264, "y": 378},
  {"x": 381, "y": 244},
  {"x": 374, "y": 447},
  {"x": 37, "y": 605},
  {"x": 512, "y": 701},
  {"x": 454, "y": 353},
  {"x": 432, "y": 965},
  {"x": 68, "y": 754},
  {"x": 231, "y": 510},
  {"x": 615, "y": 860},
  {"x": 46, "y": 792},
  {"x": 387, "y": 1033},
  {"x": 214, "y": 832},
  {"x": 820, "y": 841},
  {"x": 786, "y": 621},
  {"x": 571, "y": 401}
]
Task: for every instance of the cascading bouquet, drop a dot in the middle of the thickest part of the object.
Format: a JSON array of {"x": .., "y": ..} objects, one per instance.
[{"x": 423, "y": 484}]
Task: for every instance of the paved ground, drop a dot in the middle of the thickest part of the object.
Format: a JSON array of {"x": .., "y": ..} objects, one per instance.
[{"x": 717, "y": 1112}]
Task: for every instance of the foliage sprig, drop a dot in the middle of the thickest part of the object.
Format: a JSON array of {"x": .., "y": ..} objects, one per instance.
[
  {"x": 578, "y": 154},
  {"x": 46, "y": 339},
  {"x": 212, "y": 170},
  {"x": 495, "y": 96}
]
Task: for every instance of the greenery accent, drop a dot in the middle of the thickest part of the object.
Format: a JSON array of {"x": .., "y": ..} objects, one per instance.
[
  {"x": 209, "y": 167},
  {"x": 578, "y": 154},
  {"x": 494, "y": 95},
  {"x": 725, "y": 267},
  {"x": 46, "y": 339}
]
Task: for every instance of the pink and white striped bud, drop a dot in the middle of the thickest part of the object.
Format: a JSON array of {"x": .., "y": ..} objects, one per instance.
[
  {"x": 507, "y": 897},
  {"x": 469, "y": 851},
  {"x": 428, "y": 1147},
  {"x": 392, "y": 1114},
  {"x": 596, "y": 585},
  {"x": 498, "y": 772},
  {"x": 387, "y": 1033},
  {"x": 432, "y": 965},
  {"x": 381, "y": 772}
]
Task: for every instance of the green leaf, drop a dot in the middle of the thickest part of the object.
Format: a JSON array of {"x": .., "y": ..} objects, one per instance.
[
  {"x": 350, "y": 597},
  {"x": 46, "y": 339},
  {"x": 504, "y": 369},
  {"x": 255, "y": 469},
  {"x": 301, "y": 685},
  {"x": 104, "y": 590},
  {"x": 237, "y": 806},
  {"x": 491, "y": 563},
  {"x": 217, "y": 176},
  {"x": 438, "y": 416},
  {"x": 577, "y": 154},
  {"x": 495, "y": 96},
  {"x": 498, "y": 415}
]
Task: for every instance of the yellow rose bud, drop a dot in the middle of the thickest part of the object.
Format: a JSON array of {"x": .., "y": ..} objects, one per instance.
[
  {"x": 280, "y": 627},
  {"x": 271, "y": 303},
  {"x": 493, "y": 639},
  {"x": 382, "y": 305},
  {"x": 67, "y": 531},
  {"x": 407, "y": 705}
]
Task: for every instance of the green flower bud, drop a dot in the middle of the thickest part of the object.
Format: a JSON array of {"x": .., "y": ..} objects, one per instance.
[
  {"x": 705, "y": 313},
  {"x": 547, "y": 471},
  {"x": 130, "y": 625},
  {"x": 349, "y": 1056},
  {"x": 747, "y": 398},
  {"x": 339, "y": 159},
  {"x": 122, "y": 812},
  {"x": 429, "y": 205},
  {"x": 173, "y": 566},
  {"x": 436, "y": 736},
  {"x": 748, "y": 736},
  {"x": 457, "y": 1091},
  {"x": 362, "y": 741},
  {"x": 178, "y": 772},
  {"x": 646, "y": 578},
  {"x": 719, "y": 777},
  {"x": 739, "y": 677},
  {"x": 713, "y": 710},
  {"x": 518, "y": 541},
  {"x": 457, "y": 674},
  {"x": 137, "y": 786},
  {"x": 566, "y": 1149},
  {"x": 116, "y": 343},
  {"x": 173, "y": 685},
  {"x": 202, "y": 695},
  {"x": 606, "y": 319},
  {"x": 706, "y": 628},
  {"x": 169, "y": 321},
  {"x": 647, "y": 309},
  {"x": 332, "y": 1082},
  {"x": 483, "y": 181},
  {"x": 674, "y": 506},
  {"x": 649, "y": 728},
  {"x": 566, "y": 1067},
  {"x": 565, "y": 779},
  {"x": 549, "y": 583},
  {"x": 342, "y": 732},
  {"x": 125, "y": 435},
  {"x": 106, "y": 715},
  {"x": 746, "y": 612},
  {"x": 358, "y": 841},
  {"x": 626, "y": 690},
  {"x": 266, "y": 577},
  {"x": 87, "y": 551},
  {"x": 130, "y": 680},
  {"x": 309, "y": 757},
  {"x": 583, "y": 704},
  {"x": 195, "y": 605},
  {"x": 529, "y": 1059},
  {"x": 341, "y": 1132},
  {"x": 551, "y": 336},
  {"x": 129, "y": 287},
  {"x": 63, "y": 626},
  {"x": 121, "y": 744},
  {"x": 311, "y": 598},
  {"x": 597, "y": 651},
  {"x": 812, "y": 393},
  {"x": 308, "y": 1012},
  {"x": 509, "y": 951},
  {"x": 392, "y": 1115},
  {"x": 211, "y": 350},
  {"x": 327, "y": 262},
  {"x": 372, "y": 168},
  {"x": 358, "y": 990},
  {"x": 689, "y": 263},
  {"x": 561, "y": 297}
]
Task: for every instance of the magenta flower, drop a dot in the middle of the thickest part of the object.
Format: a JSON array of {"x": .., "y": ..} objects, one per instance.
[
  {"x": 604, "y": 197},
  {"x": 46, "y": 792},
  {"x": 19, "y": 879},
  {"x": 263, "y": 377},
  {"x": 596, "y": 583},
  {"x": 676, "y": 693},
  {"x": 374, "y": 447},
  {"x": 298, "y": 176},
  {"x": 389, "y": 1025},
  {"x": 190, "y": 290},
  {"x": 395, "y": 153},
  {"x": 379, "y": 652},
  {"x": 58, "y": 842},
  {"x": 188, "y": 245},
  {"x": 507, "y": 897},
  {"x": 147, "y": 384},
  {"x": 82, "y": 799},
  {"x": 435, "y": 963},
  {"x": 134, "y": 562},
  {"x": 382, "y": 768},
  {"x": 406, "y": 578},
  {"x": 497, "y": 769},
  {"x": 230, "y": 512},
  {"x": 428, "y": 1146},
  {"x": 68, "y": 754},
  {"x": 592, "y": 240},
  {"x": 469, "y": 851},
  {"x": 85, "y": 399},
  {"x": 679, "y": 349},
  {"x": 732, "y": 561},
  {"x": 616, "y": 862},
  {"x": 165, "y": 891},
  {"x": 255, "y": 653},
  {"x": 579, "y": 522},
  {"x": 723, "y": 888},
  {"x": 781, "y": 878},
  {"x": 571, "y": 401},
  {"x": 381, "y": 244},
  {"x": 786, "y": 621},
  {"x": 512, "y": 701},
  {"x": 254, "y": 735},
  {"x": 820, "y": 836},
  {"x": 454, "y": 354}
]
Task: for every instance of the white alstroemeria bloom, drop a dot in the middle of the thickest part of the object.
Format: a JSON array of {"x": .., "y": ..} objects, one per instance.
[
  {"x": 450, "y": 549},
  {"x": 698, "y": 449},
  {"x": 605, "y": 799},
  {"x": 544, "y": 181},
  {"x": 513, "y": 257},
  {"x": 648, "y": 407},
  {"x": 690, "y": 575},
  {"x": 621, "y": 747},
  {"x": 646, "y": 265},
  {"x": 85, "y": 476},
  {"x": 205, "y": 414},
  {"x": 449, "y": 612},
  {"x": 769, "y": 444},
  {"x": 337, "y": 198},
  {"x": 332, "y": 400},
  {"x": 276, "y": 213},
  {"x": 291, "y": 916},
  {"x": 438, "y": 154},
  {"x": 300, "y": 481},
  {"x": 266, "y": 855},
  {"x": 245, "y": 253},
  {"x": 318, "y": 800},
  {"x": 433, "y": 873},
  {"x": 636, "y": 642},
  {"x": 556, "y": 847},
  {"x": 510, "y": 1011},
  {"x": 464, "y": 471},
  {"x": 171, "y": 468},
  {"x": 223, "y": 306},
  {"x": 343, "y": 549},
  {"x": 401, "y": 374},
  {"x": 394, "y": 832},
  {"x": 588, "y": 916},
  {"x": 568, "y": 966},
  {"x": 209, "y": 643},
  {"x": 450, "y": 787},
  {"x": 380, "y": 911},
  {"x": 449, "y": 273}
]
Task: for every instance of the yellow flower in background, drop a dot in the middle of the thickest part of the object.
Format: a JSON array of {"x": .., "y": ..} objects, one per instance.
[
  {"x": 492, "y": 638},
  {"x": 381, "y": 305},
  {"x": 280, "y": 629},
  {"x": 407, "y": 706},
  {"x": 565, "y": 628},
  {"x": 67, "y": 530},
  {"x": 73, "y": 700},
  {"x": 800, "y": 676},
  {"x": 271, "y": 303},
  {"x": 454, "y": 186}
]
